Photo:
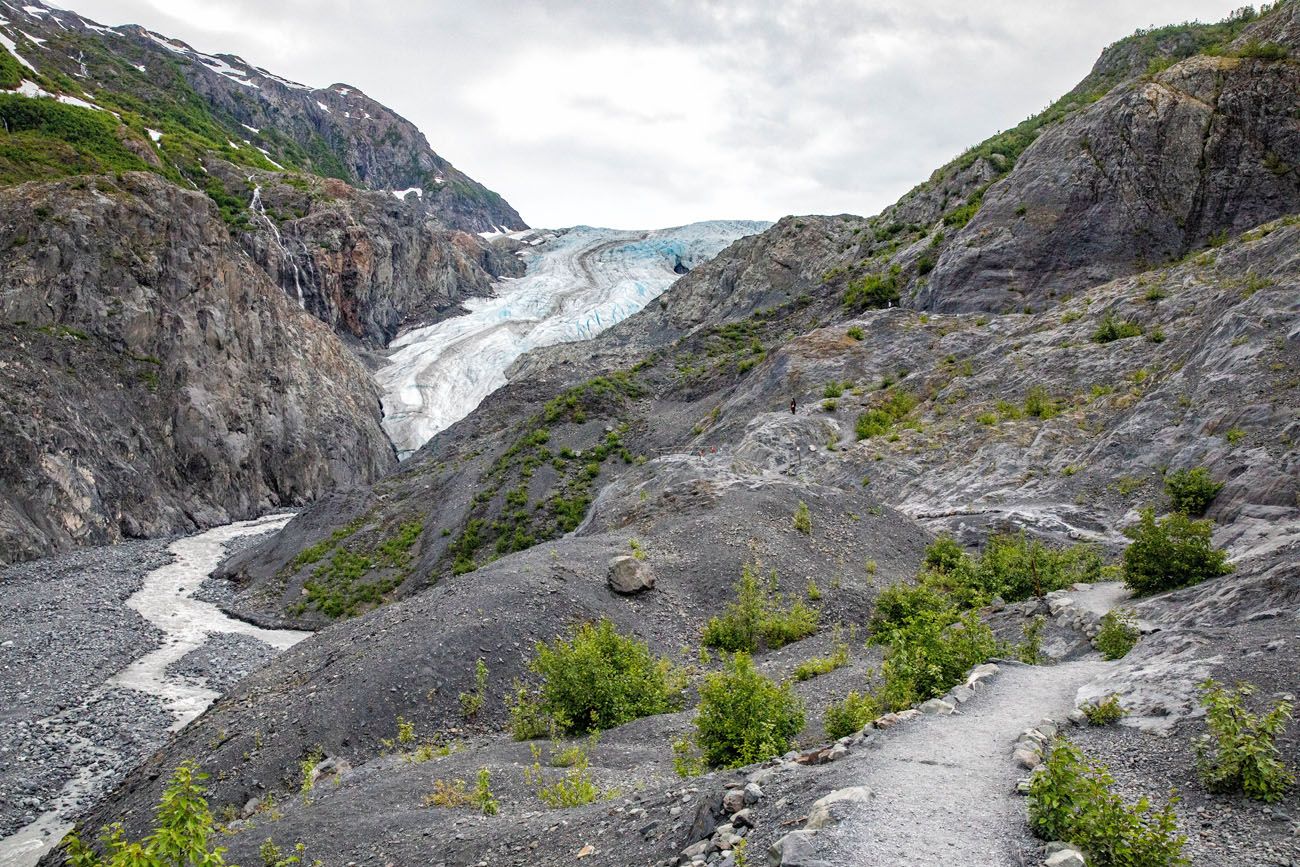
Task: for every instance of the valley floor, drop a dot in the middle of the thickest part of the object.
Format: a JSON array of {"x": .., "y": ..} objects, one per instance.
[{"x": 103, "y": 652}]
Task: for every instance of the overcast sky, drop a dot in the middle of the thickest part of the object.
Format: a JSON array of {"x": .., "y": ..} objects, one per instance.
[{"x": 647, "y": 114}]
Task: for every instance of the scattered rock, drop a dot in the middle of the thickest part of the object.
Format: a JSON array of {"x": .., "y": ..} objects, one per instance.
[{"x": 629, "y": 575}]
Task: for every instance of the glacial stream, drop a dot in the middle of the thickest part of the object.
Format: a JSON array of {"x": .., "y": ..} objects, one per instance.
[
  {"x": 578, "y": 282},
  {"x": 166, "y": 600}
]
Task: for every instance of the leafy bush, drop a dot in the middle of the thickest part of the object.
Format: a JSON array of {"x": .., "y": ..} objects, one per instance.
[
  {"x": 1240, "y": 754},
  {"x": 574, "y": 789},
  {"x": 1256, "y": 50},
  {"x": 850, "y": 715},
  {"x": 818, "y": 665},
  {"x": 598, "y": 679},
  {"x": 1104, "y": 712},
  {"x": 1040, "y": 404},
  {"x": 472, "y": 702},
  {"x": 1117, "y": 635},
  {"x": 1010, "y": 567},
  {"x": 880, "y": 419},
  {"x": 1071, "y": 800},
  {"x": 898, "y": 604},
  {"x": 180, "y": 836},
  {"x": 757, "y": 616},
  {"x": 1170, "y": 553},
  {"x": 1191, "y": 490},
  {"x": 856, "y": 332},
  {"x": 1111, "y": 329},
  {"x": 931, "y": 654},
  {"x": 803, "y": 519},
  {"x": 744, "y": 717},
  {"x": 833, "y": 389},
  {"x": 873, "y": 290}
]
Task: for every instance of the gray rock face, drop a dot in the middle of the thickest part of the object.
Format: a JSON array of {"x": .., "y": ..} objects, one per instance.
[
  {"x": 154, "y": 380},
  {"x": 1156, "y": 168},
  {"x": 364, "y": 263},
  {"x": 629, "y": 575}
]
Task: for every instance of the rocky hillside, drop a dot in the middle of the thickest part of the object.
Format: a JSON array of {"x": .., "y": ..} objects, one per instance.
[
  {"x": 177, "y": 105},
  {"x": 670, "y": 439},
  {"x": 155, "y": 385},
  {"x": 154, "y": 379}
]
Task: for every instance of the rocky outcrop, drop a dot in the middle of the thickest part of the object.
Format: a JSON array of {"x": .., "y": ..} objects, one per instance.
[
  {"x": 154, "y": 380},
  {"x": 1159, "y": 167},
  {"x": 364, "y": 263}
]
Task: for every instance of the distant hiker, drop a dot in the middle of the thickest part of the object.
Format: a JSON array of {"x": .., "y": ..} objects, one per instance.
[{"x": 792, "y": 406}]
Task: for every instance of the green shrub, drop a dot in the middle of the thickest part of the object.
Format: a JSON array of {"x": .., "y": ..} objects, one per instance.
[
  {"x": 944, "y": 554},
  {"x": 181, "y": 834},
  {"x": 482, "y": 796},
  {"x": 873, "y": 290},
  {"x": 1030, "y": 651},
  {"x": 833, "y": 389},
  {"x": 472, "y": 702},
  {"x": 744, "y": 717},
  {"x": 850, "y": 715},
  {"x": 873, "y": 422},
  {"x": 931, "y": 654},
  {"x": 1105, "y": 712},
  {"x": 574, "y": 788},
  {"x": 902, "y": 602},
  {"x": 1192, "y": 490},
  {"x": 1117, "y": 635},
  {"x": 1012, "y": 568},
  {"x": 1256, "y": 50},
  {"x": 803, "y": 519},
  {"x": 1071, "y": 800},
  {"x": 1170, "y": 553},
  {"x": 756, "y": 616},
  {"x": 528, "y": 721},
  {"x": 818, "y": 665},
  {"x": 597, "y": 679},
  {"x": 856, "y": 332},
  {"x": 1239, "y": 753},
  {"x": 1040, "y": 404},
  {"x": 1111, "y": 329}
]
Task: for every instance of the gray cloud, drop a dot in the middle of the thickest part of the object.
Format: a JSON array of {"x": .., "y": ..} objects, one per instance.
[{"x": 641, "y": 113}]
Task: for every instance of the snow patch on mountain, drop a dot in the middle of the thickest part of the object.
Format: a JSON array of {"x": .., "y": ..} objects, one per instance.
[{"x": 579, "y": 282}]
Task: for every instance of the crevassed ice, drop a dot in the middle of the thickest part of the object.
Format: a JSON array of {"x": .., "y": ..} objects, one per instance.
[{"x": 578, "y": 283}]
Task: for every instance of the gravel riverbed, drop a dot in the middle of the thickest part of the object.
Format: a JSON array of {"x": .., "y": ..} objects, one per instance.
[{"x": 67, "y": 734}]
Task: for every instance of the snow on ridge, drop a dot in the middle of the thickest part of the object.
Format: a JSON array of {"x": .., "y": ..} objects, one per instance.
[
  {"x": 35, "y": 40},
  {"x": 154, "y": 134},
  {"x": 13, "y": 49},
  {"x": 278, "y": 79},
  {"x": 402, "y": 194},
  {"x": 267, "y": 154},
  {"x": 323, "y": 107},
  {"x": 35, "y": 11}
]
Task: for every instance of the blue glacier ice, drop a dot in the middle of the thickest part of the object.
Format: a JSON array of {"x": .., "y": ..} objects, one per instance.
[{"x": 578, "y": 282}]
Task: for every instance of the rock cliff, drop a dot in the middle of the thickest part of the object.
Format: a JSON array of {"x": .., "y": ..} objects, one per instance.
[{"x": 154, "y": 379}]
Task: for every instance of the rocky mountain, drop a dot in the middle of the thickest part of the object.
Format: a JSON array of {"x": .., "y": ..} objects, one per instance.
[
  {"x": 1029, "y": 342},
  {"x": 132, "y": 331},
  {"x": 196, "y": 103},
  {"x": 154, "y": 379}
]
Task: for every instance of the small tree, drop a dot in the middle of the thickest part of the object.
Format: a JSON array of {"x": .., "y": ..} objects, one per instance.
[
  {"x": 180, "y": 837},
  {"x": 1240, "y": 754},
  {"x": 1170, "y": 553},
  {"x": 744, "y": 717}
]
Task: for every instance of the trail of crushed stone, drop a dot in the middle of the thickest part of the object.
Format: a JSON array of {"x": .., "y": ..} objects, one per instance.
[{"x": 945, "y": 786}]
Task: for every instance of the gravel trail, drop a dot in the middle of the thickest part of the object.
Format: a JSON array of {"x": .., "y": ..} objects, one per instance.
[{"x": 944, "y": 786}]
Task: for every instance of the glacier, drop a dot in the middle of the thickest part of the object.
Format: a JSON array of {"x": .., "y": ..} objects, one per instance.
[{"x": 577, "y": 283}]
